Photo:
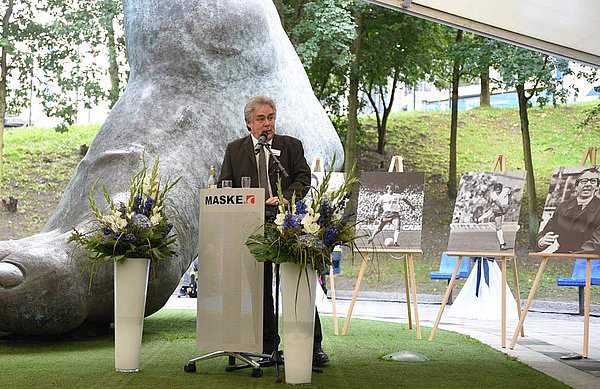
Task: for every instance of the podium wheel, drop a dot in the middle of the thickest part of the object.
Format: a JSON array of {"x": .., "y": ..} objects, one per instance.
[
  {"x": 256, "y": 373},
  {"x": 190, "y": 368}
]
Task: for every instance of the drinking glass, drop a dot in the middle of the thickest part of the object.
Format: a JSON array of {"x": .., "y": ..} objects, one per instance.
[
  {"x": 246, "y": 182},
  {"x": 226, "y": 184}
]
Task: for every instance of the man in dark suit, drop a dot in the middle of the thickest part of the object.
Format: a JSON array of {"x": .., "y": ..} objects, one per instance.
[
  {"x": 575, "y": 225},
  {"x": 241, "y": 161}
]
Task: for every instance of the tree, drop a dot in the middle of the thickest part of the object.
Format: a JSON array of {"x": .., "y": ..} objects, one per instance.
[
  {"x": 456, "y": 74},
  {"x": 322, "y": 33},
  {"x": 16, "y": 40},
  {"x": 471, "y": 57},
  {"x": 396, "y": 48},
  {"x": 81, "y": 34},
  {"x": 532, "y": 74}
]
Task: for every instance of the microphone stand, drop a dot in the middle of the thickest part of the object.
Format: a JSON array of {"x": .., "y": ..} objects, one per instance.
[{"x": 278, "y": 164}]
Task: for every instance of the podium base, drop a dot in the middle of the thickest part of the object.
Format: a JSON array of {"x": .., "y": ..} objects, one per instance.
[{"x": 242, "y": 356}]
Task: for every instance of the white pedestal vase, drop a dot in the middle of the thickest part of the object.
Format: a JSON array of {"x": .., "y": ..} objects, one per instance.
[
  {"x": 131, "y": 283},
  {"x": 298, "y": 305}
]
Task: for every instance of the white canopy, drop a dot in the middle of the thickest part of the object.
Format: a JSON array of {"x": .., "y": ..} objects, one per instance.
[{"x": 569, "y": 29}]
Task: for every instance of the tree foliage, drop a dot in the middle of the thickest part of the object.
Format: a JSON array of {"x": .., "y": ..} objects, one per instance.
[{"x": 396, "y": 49}]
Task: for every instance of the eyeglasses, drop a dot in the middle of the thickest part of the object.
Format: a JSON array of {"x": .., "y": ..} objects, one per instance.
[{"x": 593, "y": 181}]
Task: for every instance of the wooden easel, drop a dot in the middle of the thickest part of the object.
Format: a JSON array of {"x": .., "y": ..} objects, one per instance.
[
  {"x": 499, "y": 163},
  {"x": 317, "y": 167},
  {"x": 396, "y": 165},
  {"x": 590, "y": 154}
]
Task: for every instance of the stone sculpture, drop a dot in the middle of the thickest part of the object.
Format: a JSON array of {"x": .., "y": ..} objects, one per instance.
[{"x": 193, "y": 66}]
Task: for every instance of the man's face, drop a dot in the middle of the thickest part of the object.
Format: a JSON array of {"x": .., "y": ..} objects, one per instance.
[
  {"x": 587, "y": 184},
  {"x": 263, "y": 120}
]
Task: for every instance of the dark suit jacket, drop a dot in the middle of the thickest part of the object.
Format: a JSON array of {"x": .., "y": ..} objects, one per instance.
[
  {"x": 578, "y": 230},
  {"x": 240, "y": 161}
]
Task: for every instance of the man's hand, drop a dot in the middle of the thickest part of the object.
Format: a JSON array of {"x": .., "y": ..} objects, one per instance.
[
  {"x": 275, "y": 201},
  {"x": 548, "y": 239}
]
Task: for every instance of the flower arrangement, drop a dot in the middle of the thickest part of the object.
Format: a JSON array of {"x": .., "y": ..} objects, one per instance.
[
  {"x": 138, "y": 229},
  {"x": 306, "y": 231}
]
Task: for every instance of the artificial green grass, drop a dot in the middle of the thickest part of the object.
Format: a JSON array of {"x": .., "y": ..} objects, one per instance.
[{"x": 455, "y": 361}]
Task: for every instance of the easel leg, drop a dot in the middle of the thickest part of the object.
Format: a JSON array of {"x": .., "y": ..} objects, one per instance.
[
  {"x": 445, "y": 301},
  {"x": 586, "y": 320},
  {"x": 517, "y": 292},
  {"x": 333, "y": 306},
  {"x": 534, "y": 287},
  {"x": 413, "y": 285},
  {"x": 407, "y": 283},
  {"x": 503, "y": 302},
  {"x": 363, "y": 266}
]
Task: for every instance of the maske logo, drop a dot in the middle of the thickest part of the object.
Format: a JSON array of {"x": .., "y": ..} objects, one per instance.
[{"x": 230, "y": 200}]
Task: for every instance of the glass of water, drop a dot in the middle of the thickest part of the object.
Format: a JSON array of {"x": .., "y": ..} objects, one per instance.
[{"x": 246, "y": 182}]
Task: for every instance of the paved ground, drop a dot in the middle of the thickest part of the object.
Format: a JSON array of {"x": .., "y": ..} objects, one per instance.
[{"x": 552, "y": 330}]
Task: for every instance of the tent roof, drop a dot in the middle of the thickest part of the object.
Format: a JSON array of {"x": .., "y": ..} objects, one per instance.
[{"x": 569, "y": 29}]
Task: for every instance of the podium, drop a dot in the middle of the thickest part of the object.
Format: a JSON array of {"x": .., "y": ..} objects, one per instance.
[{"x": 230, "y": 281}]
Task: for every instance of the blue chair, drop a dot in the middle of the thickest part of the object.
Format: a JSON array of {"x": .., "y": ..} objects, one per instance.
[
  {"x": 336, "y": 258},
  {"x": 578, "y": 278},
  {"x": 447, "y": 264}
]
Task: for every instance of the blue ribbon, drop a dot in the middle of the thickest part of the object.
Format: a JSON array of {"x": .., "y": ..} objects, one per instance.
[{"x": 482, "y": 262}]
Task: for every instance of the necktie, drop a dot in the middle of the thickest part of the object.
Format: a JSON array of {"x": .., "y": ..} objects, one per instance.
[{"x": 262, "y": 174}]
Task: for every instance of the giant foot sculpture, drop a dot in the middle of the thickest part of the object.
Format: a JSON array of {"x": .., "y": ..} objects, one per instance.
[{"x": 193, "y": 66}]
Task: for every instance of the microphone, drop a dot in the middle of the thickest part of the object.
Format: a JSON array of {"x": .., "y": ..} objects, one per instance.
[{"x": 261, "y": 143}]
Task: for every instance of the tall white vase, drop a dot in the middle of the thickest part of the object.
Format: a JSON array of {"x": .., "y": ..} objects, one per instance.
[
  {"x": 131, "y": 282},
  {"x": 298, "y": 300}
]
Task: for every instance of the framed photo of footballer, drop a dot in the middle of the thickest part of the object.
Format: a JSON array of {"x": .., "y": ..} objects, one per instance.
[
  {"x": 571, "y": 218},
  {"x": 390, "y": 211},
  {"x": 486, "y": 212}
]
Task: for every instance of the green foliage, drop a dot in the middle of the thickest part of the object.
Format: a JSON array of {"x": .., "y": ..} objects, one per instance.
[
  {"x": 340, "y": 123},
  {"x": 322, "y": 33},
  {"x": 60, "y": 58}
]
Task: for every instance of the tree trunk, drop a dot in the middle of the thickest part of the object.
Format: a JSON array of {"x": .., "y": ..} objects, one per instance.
[
  {"x": 484, "y": 96},
  {"x": 351, "y": 145},
  {"x": 3, "y": 77},
  {"x": 113, "y": 65},
  {"x": 534, "y": 221},
  {"x": 387, "y": 109},
  {"x": 452, "y": 169}
]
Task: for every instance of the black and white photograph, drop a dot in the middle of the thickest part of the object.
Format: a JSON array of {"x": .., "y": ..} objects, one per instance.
[
  {"x": 390, "y": 211},
  {"x": 571, "y": 218},
  {"x": 486, "y": 212}
]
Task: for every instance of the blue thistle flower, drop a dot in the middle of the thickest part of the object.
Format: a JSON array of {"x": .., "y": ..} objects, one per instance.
[
  {"x": 141, "y": 221},
  {"x": 330, "y": 236},
  {"x": 129, "y": 238},
  {"x": 137, "y": 200},
  {"x": 106, "y": 231},
  {"x": 300, "y": 207},
  {"x": 148, "y": 206}
]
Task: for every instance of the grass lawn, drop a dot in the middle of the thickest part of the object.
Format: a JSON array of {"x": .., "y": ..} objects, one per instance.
[{"x": 454, "y": 361}]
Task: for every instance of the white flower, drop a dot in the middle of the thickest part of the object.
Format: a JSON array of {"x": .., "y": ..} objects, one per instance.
[
  {"x": 150, "y": 186},
  {"x": 279, "y": 221},
  {"x": 155, "y": 219},
  {"x": 115, "y": 221},
  {"x": 309, "y": 222}
]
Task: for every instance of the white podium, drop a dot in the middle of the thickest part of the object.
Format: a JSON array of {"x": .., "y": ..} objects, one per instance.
[{"x": 230, "y": 281}]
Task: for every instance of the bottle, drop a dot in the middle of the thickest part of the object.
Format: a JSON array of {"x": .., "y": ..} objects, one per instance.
[{"x": 212, "y": 180}]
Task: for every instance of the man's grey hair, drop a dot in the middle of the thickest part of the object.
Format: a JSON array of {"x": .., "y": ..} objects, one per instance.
[{"x": 256, "y": 101}]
